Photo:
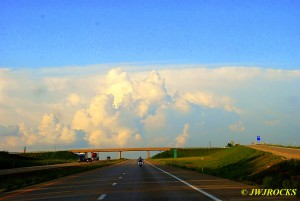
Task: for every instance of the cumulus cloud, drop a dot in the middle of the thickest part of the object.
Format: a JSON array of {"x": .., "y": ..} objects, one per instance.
[
  {"x": 182, "y": 104},
  {"x": 119, "y": 85},
  {"x": 57, "y": 83},
  {"x": 212, "y": 101},
  {"x": 157, "y": 120},
  {"x": 54, "y": 132},
  {"x": 152, "y": 89},
  {"x": 74, "y": 99},
  {"x": 143, "y": 108},
  {"x": 50, "y": 132},
  {"x": 113, "y": 118},
  {"x": 81, "y": 120},
  {"x": 181, "y": 139},
  {"x": 102, "y": 124}
]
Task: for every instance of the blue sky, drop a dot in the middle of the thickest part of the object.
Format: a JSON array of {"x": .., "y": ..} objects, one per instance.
[
  {"x": 78, "y": 74},
  {"x": 45, "y": 33}
]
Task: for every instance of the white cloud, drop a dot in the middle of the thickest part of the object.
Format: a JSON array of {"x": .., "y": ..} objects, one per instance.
[
  {"x": 119, "y": 85},
  {"x": 237, "y": 127},
  {"x": 182, "y": 104},
  {"x": 158, "y": 120},
  {"x": 57, "y": 83},
  {"x": 28, "y": 136},
  {"x": 74, "y": 99},
  {"x": 101, "y": 111},
  {"x": 212, "y": 101},
  {"x": 152, "y": 89},
  {"x": 114, "y": 117},
  {"x": 181, "y": 139},
  {"x": 120, "y": 108},
  {"x": 50, "y": 132},
  {"x": 102, "y": 123},
  {"x": 222, "y": 79},
  {"x": 142, "y": 108},
  {"x": 2, "y": 82},
  {"x": 81, "y": 120}
]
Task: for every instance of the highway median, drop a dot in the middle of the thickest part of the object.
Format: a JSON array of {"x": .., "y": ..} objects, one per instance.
[{"x": 18, "y": 180}]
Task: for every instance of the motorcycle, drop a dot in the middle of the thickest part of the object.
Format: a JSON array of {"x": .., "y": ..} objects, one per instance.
[{"x": 140, "y": 163}]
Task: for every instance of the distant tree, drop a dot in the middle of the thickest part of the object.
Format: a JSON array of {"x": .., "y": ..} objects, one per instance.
[{"x": 229, "y": 144}]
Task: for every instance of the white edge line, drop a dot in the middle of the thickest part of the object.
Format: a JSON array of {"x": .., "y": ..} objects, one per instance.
[
  {"x": 186, "y": 183},
  {"x": 101, "y": 197}
]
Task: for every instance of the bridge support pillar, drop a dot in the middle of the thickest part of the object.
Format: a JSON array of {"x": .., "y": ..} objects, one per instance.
[
  {"x": 120, "y": 154},
  {"x": 148, "y": 154}
]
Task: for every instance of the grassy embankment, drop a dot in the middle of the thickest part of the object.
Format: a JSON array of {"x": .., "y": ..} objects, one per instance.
[
  {"x": 238, "y": 163},
  {"x": 33, "y": 159},
  {"x": 19, "y": 180}
]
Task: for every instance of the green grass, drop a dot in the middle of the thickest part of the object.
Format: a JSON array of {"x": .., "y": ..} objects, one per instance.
[
  {"x": 19, "y": 180},
  {"x": 54, "y": 155},
  {"x": 243, "y": 164},
  {"x": 33, "y": 159},
  {"x": 230, "y": 163},
  {"x": 189, "y": 152}
]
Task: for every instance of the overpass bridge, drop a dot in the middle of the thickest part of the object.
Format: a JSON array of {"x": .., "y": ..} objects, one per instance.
[{"x": 120, "y": 150}]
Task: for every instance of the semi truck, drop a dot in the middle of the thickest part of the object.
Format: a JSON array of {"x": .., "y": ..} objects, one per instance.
[
  {"x": 84, "y": 157},
  {"x": 81, "y": 157},
  {"x": 95, "y": 156}
]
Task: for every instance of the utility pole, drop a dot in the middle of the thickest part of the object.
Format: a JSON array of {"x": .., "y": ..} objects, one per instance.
[{"x": 209, "y": 144}]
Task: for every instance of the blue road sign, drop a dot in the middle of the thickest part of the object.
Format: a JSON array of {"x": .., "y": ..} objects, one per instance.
[{"x": 258, "y": 138}]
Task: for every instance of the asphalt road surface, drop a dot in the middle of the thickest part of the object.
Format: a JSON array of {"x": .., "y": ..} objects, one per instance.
[
  {"x": 127, "y": 181},
  {"x": 280, "y": 151}
]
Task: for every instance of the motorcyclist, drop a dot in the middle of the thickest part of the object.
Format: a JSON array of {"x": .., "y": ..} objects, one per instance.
[{"x": 140, "y": 160}]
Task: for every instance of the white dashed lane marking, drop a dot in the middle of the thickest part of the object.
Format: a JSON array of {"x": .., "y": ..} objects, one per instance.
[{"x": 101, "y": 197}]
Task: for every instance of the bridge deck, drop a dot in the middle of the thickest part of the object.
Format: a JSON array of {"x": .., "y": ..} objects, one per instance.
[{"x": 121, "y": 149}]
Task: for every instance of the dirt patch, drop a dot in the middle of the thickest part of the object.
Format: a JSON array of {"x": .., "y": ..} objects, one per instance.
[{"x": 288, "y": 153}]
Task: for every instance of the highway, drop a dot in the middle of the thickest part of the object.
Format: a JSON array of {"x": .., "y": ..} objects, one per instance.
[{"x": 128, "y": 182}]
